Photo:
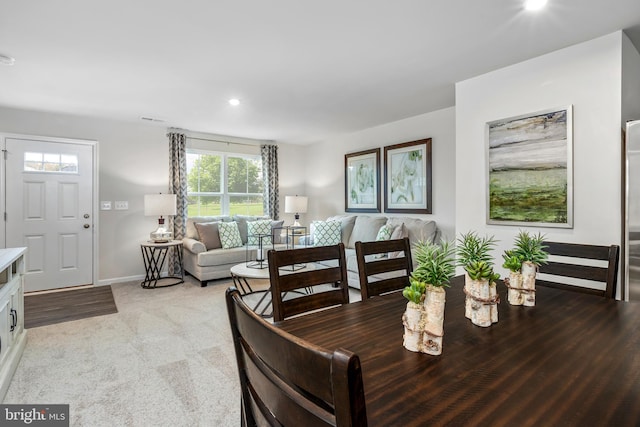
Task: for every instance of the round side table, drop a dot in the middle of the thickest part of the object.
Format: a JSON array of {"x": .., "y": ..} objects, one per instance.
[{"x": 154, "y": 255}]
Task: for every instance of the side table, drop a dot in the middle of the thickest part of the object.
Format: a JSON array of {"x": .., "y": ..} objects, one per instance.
[{"x": 154, "y": 255}]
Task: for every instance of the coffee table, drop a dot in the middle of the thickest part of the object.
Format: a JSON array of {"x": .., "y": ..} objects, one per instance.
[{"x": 241, "y": 274}]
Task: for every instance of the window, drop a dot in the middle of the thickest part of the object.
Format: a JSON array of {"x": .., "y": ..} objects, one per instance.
[
  {"x": 50, "y": 162},
  {"x": 223, "y": 184}
]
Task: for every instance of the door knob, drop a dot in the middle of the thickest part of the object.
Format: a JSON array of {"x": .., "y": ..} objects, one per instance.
[
  {"x": 86, "y": 226},
  {"x": 86, "y": 216}
]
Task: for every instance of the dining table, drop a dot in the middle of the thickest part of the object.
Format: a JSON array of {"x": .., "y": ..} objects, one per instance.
[{"x": 573, "y": 359}]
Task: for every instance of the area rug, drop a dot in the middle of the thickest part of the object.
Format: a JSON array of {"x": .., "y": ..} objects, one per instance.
[{"x": 63, "y": 306}]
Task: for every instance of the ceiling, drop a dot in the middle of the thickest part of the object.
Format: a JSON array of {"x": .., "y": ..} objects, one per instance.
[{"x": 304, "y": 71}]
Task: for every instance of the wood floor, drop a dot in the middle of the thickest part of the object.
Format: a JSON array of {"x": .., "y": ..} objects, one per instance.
[{"x": 63, "y": 306}]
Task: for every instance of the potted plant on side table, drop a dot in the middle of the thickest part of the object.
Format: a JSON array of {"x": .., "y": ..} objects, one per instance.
[
  {"x": 522, "y": 262},
  {"x": 424, "y": 318},
  {"x": 474, "y": 255}
]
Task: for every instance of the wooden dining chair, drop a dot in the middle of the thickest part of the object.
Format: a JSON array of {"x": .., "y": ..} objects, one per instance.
[
  {"x": 293, "y": 292},
  {"x": 287, "y": 381},
  {"x": 379, "y": 272},
  {"x": 578, "y": 266}
]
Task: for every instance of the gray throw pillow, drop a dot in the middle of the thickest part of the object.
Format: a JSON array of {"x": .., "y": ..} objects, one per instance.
[{"x": 209, "y": 234}]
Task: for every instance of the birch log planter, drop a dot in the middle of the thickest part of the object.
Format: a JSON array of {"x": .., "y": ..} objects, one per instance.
[
  {"x": 481, "y": 304},
  {"x": 423, "y": 323},
  {"x": 522, "y": 286}
]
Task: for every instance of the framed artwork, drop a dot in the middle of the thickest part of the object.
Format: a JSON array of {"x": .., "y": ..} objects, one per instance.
[
  {"x": 530, "y": 169},
  {"x": 362, "y": 181},
  {"x": 407, "y": 177}
]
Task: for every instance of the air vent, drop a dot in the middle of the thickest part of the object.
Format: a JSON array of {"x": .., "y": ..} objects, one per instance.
[{"x": 152, "y": 119}]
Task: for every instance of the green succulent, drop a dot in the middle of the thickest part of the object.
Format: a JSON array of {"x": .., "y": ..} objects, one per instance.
[
  {"x": 435, "y": 267},
  {"x": 527, "y": 247},
  {"x": 474, "y": 255},
  {"x": 512, "y": 262}
]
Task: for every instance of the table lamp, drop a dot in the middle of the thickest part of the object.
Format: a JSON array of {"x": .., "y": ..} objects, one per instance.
[
  {"x": 160, "y": 205},
  {"x": 295, "y": 205}
]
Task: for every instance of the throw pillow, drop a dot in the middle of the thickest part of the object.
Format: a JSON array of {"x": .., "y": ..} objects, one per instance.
[
  {"x": 259, "y": 227},
  {"x": 209, "y": 235},
  {"x": 276, "y": 231},
  {"x": 326, "y": 233},
  {"x": 400, "y": 232},
  {"x": 384, "y": 233},
  {"x": 229, "y": 235}
]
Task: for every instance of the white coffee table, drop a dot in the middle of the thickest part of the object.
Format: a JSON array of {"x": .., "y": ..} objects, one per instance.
[{"x": 241, "y": 274}]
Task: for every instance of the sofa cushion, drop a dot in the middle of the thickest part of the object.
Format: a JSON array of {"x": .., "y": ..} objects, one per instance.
[
  {"x": 365, "y": 229},
  {"x": 326, "y": 233},
  {"x": 209, "y": 235},
  {"x": 229, "y": 235},
  {"x": 399, "y": 232},
  {"x": 254, "y": 228},
  {"x": 192, "y": 233},
  {"x": 346, "y": 226},
  {"x": 219, "y": 257},
  {"x": 417, "y": 229}
]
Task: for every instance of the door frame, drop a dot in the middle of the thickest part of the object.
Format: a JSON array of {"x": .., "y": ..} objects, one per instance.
[{"x": 94, "y": 197}]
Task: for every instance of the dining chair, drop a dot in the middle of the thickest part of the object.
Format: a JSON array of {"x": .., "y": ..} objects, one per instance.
[
  {"x": 287, "y": 381},
  {"x": 293, "y": 292},
  {"x": 577, "y": 266},
  {"x": 383, "y": 266}
]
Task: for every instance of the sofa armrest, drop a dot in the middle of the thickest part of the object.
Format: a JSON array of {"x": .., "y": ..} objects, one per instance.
[{"x": 193, "y": 245}]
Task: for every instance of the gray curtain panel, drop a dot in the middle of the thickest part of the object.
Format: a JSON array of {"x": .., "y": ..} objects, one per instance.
[
  {"x": 178, "y": 186},
  {"x": 270, "y": 179}
]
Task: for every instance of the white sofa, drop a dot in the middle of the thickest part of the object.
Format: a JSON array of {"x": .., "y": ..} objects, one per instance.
[{"x": 215, "y": 263}]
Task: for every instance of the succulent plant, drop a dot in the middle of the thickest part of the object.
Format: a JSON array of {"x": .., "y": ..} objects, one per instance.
[
  {"x": 435, "y": 267},
  {"x": 474, "y": 255},
  {"x": 527, "y": 247}
]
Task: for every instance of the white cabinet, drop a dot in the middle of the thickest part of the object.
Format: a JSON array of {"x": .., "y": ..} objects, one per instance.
[{"x": 13, "y": 336}]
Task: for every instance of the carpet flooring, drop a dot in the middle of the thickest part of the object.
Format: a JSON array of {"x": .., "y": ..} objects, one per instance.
[{"x": 63, "y": 306}]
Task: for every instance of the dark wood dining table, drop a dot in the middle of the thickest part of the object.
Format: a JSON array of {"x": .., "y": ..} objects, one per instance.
[{"x": 571, "y": 360}]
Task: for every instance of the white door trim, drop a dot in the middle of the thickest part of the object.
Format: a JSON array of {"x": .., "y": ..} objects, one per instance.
[{"x": 94, "y": 204}]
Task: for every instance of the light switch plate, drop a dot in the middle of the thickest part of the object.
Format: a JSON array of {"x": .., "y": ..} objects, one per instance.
[
  {"x": 105, "y": 206},
  {"x": 121, "y": 205}
]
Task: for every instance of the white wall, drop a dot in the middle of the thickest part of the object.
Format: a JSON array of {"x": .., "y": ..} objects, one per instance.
[
  {"x": 587, "y": 75},
  {"x": 630, "y": 81},
  {"x": 325, "y": 165},
  {"x": 132, "y": 160}
]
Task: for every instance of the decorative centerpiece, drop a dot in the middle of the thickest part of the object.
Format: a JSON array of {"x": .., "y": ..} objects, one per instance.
[
  {"x": 481, "y": 304},
  {"x": 522, "y": 262},
  {"x": 424, "y": 318}
]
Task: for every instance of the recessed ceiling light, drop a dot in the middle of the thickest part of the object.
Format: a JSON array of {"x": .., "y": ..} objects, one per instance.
[
  {"x": 234, "y": 101},
  {"x": 7, "y": 60},
  {"x": 534, "y": 4}
]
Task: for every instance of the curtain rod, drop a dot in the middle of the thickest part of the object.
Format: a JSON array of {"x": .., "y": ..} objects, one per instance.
[{"x": 225, "y": 142}]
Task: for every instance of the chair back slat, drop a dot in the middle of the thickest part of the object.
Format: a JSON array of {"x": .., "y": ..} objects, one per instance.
[
  {"x": 382, "y": 275},
  {"x": 579, "y": 269},
  {"x": 290, "y": 289},
  {"x": 287, "y": 381}
]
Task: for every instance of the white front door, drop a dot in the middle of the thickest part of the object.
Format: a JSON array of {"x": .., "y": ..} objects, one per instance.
[{"x": 49, "y": 199}]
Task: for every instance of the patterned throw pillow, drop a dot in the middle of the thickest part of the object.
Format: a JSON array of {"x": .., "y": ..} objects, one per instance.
[
  {"x": 326, "y": 233},
  {"x": 384, "y": 233},
  {"x": 229, "y": 235},
  {"x": 259, "y": 227}
]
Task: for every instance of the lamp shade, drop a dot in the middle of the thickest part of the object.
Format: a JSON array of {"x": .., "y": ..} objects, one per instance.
[
  {"x": 295, "y": 204},
  {"x": 159, "y": 204}
]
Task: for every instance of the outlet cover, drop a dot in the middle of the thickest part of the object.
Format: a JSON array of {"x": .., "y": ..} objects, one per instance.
[
  {"x": 121, "y": 205},
  {"x": 105, "y": 206}
]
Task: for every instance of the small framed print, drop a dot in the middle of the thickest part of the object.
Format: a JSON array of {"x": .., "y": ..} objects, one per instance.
[
  {"x": 362, "y": 181},
  {"x": 407, "y": 177}
]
